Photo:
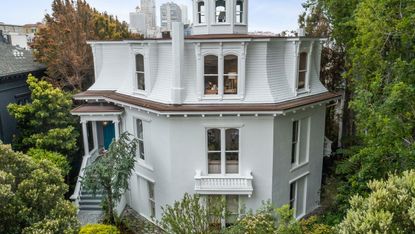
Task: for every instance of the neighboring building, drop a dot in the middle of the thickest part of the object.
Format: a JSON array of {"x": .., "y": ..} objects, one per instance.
[
  {"x": 17, "y": 35},
  {"x": 169, "y": 12},
  {"x": 185, "y": 14},
  {"x": 217, "y": 113},
  {"x": 143, "y": 20},
  {"x": 15, "y": 65}
]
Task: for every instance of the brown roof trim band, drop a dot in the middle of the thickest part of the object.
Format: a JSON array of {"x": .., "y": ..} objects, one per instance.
[{"x": 169, "y": 108}]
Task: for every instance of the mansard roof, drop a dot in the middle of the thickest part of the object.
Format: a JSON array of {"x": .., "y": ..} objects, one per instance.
[{"x": 113, "y": 96}]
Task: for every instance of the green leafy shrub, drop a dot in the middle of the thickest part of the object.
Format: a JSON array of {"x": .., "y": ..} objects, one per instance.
[
  {"x": 57, "y": 159},
  {"x": 99, "y": 229}
]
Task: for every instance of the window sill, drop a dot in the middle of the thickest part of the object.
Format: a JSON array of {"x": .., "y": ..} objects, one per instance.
[
  {"x": 302, "y": 92},
  {"x": 221, "y": 24},
  {"x": 241, "y": 24},
  {"x": 222, "y": 97},
  {"x": 144, "y": 165},
  {"x": 200, "y": 25},
  {"x": 296, "y": 167}
]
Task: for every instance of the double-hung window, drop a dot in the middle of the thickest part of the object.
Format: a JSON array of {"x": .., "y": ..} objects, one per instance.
[
  {"x": 151, "y": 199},
  {"x": 223, "y": 151},
  {"x": 139, "y": 70},
  {"x": 239, "y": 11},
  {"x": 140, "y": 137},
  {"x": 221, "y": 217},
  {"x": 220, "y": 11},
  {"x": 298, "y": 191},
  {"x": 302, "y": 72},
  {"x": 201, "y": 12},
  {"x": 228, "y": 84},
  {"x": 294, "y": 144},
  {"x": 300, "y": 142}
]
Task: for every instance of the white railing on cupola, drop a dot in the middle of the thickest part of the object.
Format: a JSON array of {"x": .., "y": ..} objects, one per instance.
[{"x": 224, "y": 184}]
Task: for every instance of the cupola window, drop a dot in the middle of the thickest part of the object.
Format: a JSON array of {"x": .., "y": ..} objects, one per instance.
[
  {"x": 231, "y": 74},
  {"x": 239, "y": 11},
  {"x": 139, "y": 66},
  {"x": 302, "y": 72},
  {"x": 220, "y": 11},
  {"x": 201, "y": 12},
  {"x": 211, "y": 75}
]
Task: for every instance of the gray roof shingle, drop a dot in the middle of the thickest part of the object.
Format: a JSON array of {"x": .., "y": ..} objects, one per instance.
[{"x": 15, "y": 60}]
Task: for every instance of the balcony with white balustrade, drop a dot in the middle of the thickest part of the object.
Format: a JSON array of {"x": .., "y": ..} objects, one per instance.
[{"x": 223, "y": 184}]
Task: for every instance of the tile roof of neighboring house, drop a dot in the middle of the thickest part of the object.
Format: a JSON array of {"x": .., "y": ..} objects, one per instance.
[
  {"x": 14, "y": 60},
  {"x": 162, "y": 107}
]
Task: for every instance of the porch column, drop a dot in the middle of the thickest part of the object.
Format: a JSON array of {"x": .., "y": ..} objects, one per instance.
[
  {"x": 117, "y": 129},
  {"x": 85, "y": 137},
  {"x": 95, "y": 134}
]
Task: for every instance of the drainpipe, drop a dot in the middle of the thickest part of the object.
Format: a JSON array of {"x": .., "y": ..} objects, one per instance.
[{"x": 178, "y": 58}]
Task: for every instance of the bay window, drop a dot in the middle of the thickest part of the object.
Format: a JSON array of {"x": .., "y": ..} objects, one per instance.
[
  {"x": 220, "y": 11},
  {"x": 223, "y": 151},
  {"x": 211, "y": 75},
  {"x": 140, "y": 76},
  {"x": 239, "y": 11},
  {"x": 302, "y": 72}
]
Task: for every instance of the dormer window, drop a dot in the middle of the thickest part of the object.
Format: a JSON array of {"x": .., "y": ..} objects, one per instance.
[
  {"x": 220, "y": 11},
  {"x": 302, "y": 72},
  {"x": 211, "y": 75},
  {"x": 231, "y": 74},
  {"x": 201, "y": 12},
  {"x": 140, "y": 77},
  {"x": 239, "y": 11}
]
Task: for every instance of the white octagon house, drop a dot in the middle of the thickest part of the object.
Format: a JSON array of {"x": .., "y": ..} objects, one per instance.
[{"x": 219, "y": 113}]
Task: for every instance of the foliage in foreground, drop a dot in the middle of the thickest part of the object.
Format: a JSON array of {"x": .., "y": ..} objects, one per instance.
[
  {"x": 46, "y": 123},
  {"x": 61, "y": 44},
  {"x": 99, "y": 229},
  {"x": 111, "y": 172},
  {"x": 32, "y": 196},
  {"x": 57, "y": 159},
  {"x": 389, "y": 208}
]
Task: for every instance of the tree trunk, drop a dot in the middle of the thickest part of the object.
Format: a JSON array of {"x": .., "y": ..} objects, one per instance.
[{"x": 110, "y": 207}]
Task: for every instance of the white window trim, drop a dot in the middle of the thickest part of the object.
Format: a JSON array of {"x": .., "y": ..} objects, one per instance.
[
  {"x": 227, "y": 2},
  {"x": 199, "y": 12},
  {"x": 143, "y": 163},
  {"x": 295, "y": 180},
  {"x": 297, "y": 164},
  {"x": 223, "y": 220},
  {"x": 307, "y": 88},
  {"x": 222, "y": 151},
  {"x": 244, "y": 9},
  {"x": 143, "y": 50}
]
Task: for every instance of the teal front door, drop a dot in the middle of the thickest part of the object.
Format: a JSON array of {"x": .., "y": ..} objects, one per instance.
[{"x": 109, "y": 135}]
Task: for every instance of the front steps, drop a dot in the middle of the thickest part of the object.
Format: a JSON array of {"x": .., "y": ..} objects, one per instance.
[{"x": 90, "y": 202}]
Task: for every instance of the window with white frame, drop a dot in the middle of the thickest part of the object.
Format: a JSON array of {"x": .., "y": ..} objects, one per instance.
[
  {"x": 221, "y": 217},
  {"x": 140, "y": 137},
  {"x": 239, "y": 11},
  {"x": 211, "y": 75},
  {"x": 300, "y": 141},
  {"x": 302, "y": 72},
  {"x": 220, "y": 11},
  {"x": 151, "y": 199},
  {"x": 298, "y": 190},
  {"x": 223, "y": 151},
  {"x": 201, "y": 15},
  {"x": 228, "y": 83},
  {"x": 230, "y": 74},
  {"x": 139, "y": 70}
]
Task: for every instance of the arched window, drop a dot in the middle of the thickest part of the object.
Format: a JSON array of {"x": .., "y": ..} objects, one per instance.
[
  {"x": 214, "y": 151},
  {"x": 139, "y": 70},
  {"x": 239, "y": 11},
  {"x": 220, "y": 11},
  {"x": 211, "y": 75},
  {"x": 230, "y": 74},
  {"x": 302, "y": 71},
  {"x": 201, "y": 12}
]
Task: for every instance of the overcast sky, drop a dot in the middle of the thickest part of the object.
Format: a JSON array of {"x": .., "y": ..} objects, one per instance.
[{"x": 264, "y": 15}]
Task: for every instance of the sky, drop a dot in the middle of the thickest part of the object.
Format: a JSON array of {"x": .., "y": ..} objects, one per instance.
[{"x": 264, "y": 15}]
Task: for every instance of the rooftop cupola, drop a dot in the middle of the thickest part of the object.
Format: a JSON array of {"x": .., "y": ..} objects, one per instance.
[{"x": 220, "y": 17}]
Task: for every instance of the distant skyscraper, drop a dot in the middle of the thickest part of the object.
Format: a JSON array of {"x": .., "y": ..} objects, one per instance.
[
  {"x": 148, "y": 7},
  {"x": 169, "y": 12},
  {"x": 138, "y": 22},
  {"x": 185, "y": 16}
]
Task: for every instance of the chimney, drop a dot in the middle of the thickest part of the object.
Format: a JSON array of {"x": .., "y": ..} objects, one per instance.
[{"x": 178, "y": 58}]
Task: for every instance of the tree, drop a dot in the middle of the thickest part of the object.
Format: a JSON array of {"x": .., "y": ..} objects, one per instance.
[
  {"x": 46, "y": 123},
  {"x": 32, "y": 196},
  {"x": 61, "y": 43},
  {"x": 389, "y": 208},
  {"x": 57, "y": 159},
  {"x": 111, "y": 173},
  {"x": 382, "y": 71}
]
